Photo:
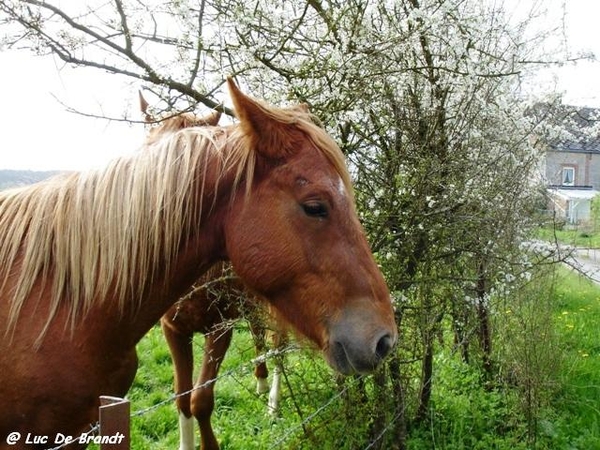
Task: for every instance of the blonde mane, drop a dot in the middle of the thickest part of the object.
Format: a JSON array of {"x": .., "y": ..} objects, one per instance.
[{"x": 94, "y": 235}]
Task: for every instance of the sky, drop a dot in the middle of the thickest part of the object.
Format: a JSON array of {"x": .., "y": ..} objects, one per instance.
[
  {"x": 38, "y": 133},
  {"x": 579, "y": 82}
]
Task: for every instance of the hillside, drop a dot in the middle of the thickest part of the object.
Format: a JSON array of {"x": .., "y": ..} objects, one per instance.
[{"x": 15, "y": 178}]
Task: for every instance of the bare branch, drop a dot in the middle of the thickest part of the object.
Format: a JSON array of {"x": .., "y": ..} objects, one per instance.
[{"x": 124, "y": 26}]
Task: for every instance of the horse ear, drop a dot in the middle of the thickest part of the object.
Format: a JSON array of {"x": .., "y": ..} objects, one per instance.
[
  {"x": 211, "y": 119},
  {"x": 144, "y": 108},
  {"x": 268, "y": 134}
]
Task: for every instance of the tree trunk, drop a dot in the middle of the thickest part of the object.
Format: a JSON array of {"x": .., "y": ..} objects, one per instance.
[
  {"x": 485, "y": 333},
  {"x": 426, "y": 382},
  {"x": 400, "y": 428}
]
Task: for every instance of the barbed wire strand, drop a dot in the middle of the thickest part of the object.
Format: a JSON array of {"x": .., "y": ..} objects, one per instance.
[{"x": 241, "y": 368}]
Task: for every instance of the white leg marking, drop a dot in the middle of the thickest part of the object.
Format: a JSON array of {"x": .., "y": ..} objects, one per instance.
[
  {"x": 262, "y": 386},
  {"x": 186, "y": 432},
  {"x": 275, "y": 391}
]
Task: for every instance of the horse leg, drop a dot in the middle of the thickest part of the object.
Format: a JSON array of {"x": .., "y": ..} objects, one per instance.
[
  {"x": 275, "y": 392},
  {"x": 279, "y": 342},
  {"x": 203, "y": 400},
  {"x": 261, "y": 372},
  {"x": 180, "y": 345}
]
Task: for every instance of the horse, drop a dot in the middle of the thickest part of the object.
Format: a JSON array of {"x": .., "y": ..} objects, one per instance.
[
  {"x": 210, "y": 308},
  {"x": 217, "y": 300},
  {"x": 90, "y": 261}
]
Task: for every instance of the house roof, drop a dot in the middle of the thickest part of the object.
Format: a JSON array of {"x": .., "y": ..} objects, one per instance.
[
  {"x": 586, "y": 144},
  {"x": 574, "y": 194}
]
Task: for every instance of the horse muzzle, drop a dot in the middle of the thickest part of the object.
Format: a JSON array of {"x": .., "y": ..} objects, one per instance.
[{"x": 358, "y": 343}]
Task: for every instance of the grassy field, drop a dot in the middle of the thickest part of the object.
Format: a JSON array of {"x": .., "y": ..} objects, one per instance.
[
  {"x": 577, "y": 238},
  {"x": 574, "y": 422},
  {"x": 467, "y": 415},
  {"x": 464, "y": 415},
  {"x": 240, "y": 419}
]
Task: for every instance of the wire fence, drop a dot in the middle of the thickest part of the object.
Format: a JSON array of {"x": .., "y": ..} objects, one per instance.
[{"x": 243, "y": 370}]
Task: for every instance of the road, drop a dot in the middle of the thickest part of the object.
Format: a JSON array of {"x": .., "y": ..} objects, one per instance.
[{"x": 587, "y": 261}]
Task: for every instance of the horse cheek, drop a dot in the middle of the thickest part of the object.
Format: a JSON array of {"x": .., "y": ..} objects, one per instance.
[{"x": 262, "y": 255}]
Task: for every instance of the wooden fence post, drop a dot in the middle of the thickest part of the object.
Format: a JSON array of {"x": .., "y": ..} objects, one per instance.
[{"x": 114, "y": 423}]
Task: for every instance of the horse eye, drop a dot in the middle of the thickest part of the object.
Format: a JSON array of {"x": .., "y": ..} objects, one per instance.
[{"x": 315, "y": 209}]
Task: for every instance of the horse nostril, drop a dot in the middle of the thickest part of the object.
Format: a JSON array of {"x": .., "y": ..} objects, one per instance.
[{"x": 384, "y": 346}]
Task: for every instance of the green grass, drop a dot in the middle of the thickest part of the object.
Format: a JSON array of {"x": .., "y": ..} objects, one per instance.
[
  {"x": 156, "y": 425},
  {"x": 240, "y": 420},
  {"x": 577, "y": 238},
  {"x": 465, "y": 412},
  {"x": 575, "y": 421},
  {"x": 467, "y": 415}
]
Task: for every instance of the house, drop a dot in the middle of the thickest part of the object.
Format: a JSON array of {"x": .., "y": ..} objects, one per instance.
[{"x": 572, "y": 165}]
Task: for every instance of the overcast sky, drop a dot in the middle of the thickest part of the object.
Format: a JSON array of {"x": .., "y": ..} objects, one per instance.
[{"x": 37, "y": 133}]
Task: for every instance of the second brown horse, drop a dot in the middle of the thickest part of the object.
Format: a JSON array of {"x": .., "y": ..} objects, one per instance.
[{"x": 210, "y": 308}]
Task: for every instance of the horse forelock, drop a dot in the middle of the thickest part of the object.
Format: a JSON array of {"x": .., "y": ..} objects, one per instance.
[
  {"x": 331, "y": 151},
  {"x": 299, "y": 119}
]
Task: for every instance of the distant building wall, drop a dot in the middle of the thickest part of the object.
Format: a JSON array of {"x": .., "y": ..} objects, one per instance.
[
  {"x": 586, "y": 168},
  {"x": 594, "y": 165}
]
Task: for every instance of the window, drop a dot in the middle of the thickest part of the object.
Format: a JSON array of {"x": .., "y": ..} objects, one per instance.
[{"x": 568, "y": 176}]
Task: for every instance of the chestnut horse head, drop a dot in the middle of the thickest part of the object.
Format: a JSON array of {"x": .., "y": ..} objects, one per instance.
[
  {"x": 173, "y": 123},
  {"x": 294, "y": 237}
]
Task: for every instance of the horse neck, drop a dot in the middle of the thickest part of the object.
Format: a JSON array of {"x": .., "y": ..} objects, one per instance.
[{"x": 199, "y": 250}]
